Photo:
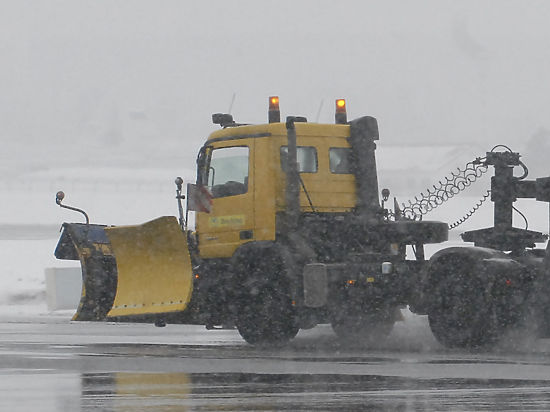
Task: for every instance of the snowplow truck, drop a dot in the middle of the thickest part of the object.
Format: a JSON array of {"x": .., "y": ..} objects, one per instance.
[{"x": 290, "y": 232}]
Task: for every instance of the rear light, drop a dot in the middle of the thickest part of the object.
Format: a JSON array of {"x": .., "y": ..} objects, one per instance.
[
  {"x": 274, "y": 114},
  {"x": 341, "y": 116}
]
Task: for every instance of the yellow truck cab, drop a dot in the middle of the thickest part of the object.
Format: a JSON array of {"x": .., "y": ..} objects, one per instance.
[{"x": 244, "y": 169}]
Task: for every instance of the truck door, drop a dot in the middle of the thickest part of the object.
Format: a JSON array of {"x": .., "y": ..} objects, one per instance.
[{"x": 229, "y": 177}]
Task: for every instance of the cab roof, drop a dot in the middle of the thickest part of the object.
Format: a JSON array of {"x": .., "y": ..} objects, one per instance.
[{"x": 279, "y": 129}]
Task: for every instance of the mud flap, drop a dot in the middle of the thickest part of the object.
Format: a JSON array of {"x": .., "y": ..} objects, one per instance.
[
  {"x": 90, "y": 245},
  {"x": 154, "y": 268}
]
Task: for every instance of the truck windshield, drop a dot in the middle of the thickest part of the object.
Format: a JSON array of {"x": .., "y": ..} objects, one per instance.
[{"x": 227, "y": 174}]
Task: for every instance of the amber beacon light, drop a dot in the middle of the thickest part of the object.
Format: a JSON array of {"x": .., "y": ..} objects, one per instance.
[
  {"x": 274, "y": 114},
  {"x": 341, "y": 116}
]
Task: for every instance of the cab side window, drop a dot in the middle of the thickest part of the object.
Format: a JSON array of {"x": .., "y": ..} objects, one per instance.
[
  {"x": 227, "y": 172},
  {"x": 306, "y": 157},
  {"x": 339, "y": 160}
]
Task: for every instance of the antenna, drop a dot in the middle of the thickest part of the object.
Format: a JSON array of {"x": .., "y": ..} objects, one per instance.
[
  {"x": 319, "y": 111},
  {"x": 232, "y": 101}
]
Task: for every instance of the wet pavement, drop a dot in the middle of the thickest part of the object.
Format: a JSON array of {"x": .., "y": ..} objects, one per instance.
[{"x": 51, "y": 364}]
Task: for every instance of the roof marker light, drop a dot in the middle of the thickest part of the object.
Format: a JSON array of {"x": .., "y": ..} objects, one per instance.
[
  {"x": 274, "y": 114},
  {"x": 341, "y": 116}
]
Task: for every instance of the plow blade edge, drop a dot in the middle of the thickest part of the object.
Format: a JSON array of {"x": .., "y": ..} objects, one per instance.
[
  {"x": 89, "y": 245},
  {"x": 154, "y": 268}
]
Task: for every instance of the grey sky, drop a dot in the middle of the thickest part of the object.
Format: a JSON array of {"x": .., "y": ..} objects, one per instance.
[{"x": 78, "y": 75}]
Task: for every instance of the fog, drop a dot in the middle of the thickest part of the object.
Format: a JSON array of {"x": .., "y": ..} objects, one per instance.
[
  {"x": 105, "y": 82},
  {"x": 110, "y": 100}
]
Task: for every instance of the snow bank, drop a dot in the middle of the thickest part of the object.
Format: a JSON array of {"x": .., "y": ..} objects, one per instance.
[{"x": 22, "y": 281}]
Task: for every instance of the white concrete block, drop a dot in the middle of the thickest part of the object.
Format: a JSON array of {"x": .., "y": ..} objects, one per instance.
[{"x": 63, "y": 288}]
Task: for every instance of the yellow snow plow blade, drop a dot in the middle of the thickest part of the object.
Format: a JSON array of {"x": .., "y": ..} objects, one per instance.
[{"x": 154, "y": 268}]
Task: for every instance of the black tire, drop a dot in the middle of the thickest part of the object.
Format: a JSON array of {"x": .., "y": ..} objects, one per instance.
[
  {"x": 462, "y": 317},
  {"x": 265, "y": 315},
  {"x": 363, "y": 327},
  {"x": 267, "y": 319}
]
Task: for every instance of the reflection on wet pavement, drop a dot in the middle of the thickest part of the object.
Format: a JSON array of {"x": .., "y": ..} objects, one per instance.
[{"x": 301, "y": 392}]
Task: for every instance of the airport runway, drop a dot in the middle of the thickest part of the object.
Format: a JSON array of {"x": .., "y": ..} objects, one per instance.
[{"x": 48, "y": 363}]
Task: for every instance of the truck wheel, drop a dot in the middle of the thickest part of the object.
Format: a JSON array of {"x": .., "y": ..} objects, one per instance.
[
  {"x": 267, "y": 318},
  {"x": 265, "y": 311},
  {"x": 362, "y": 328},
  {"x": 462, "y": 318}
]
